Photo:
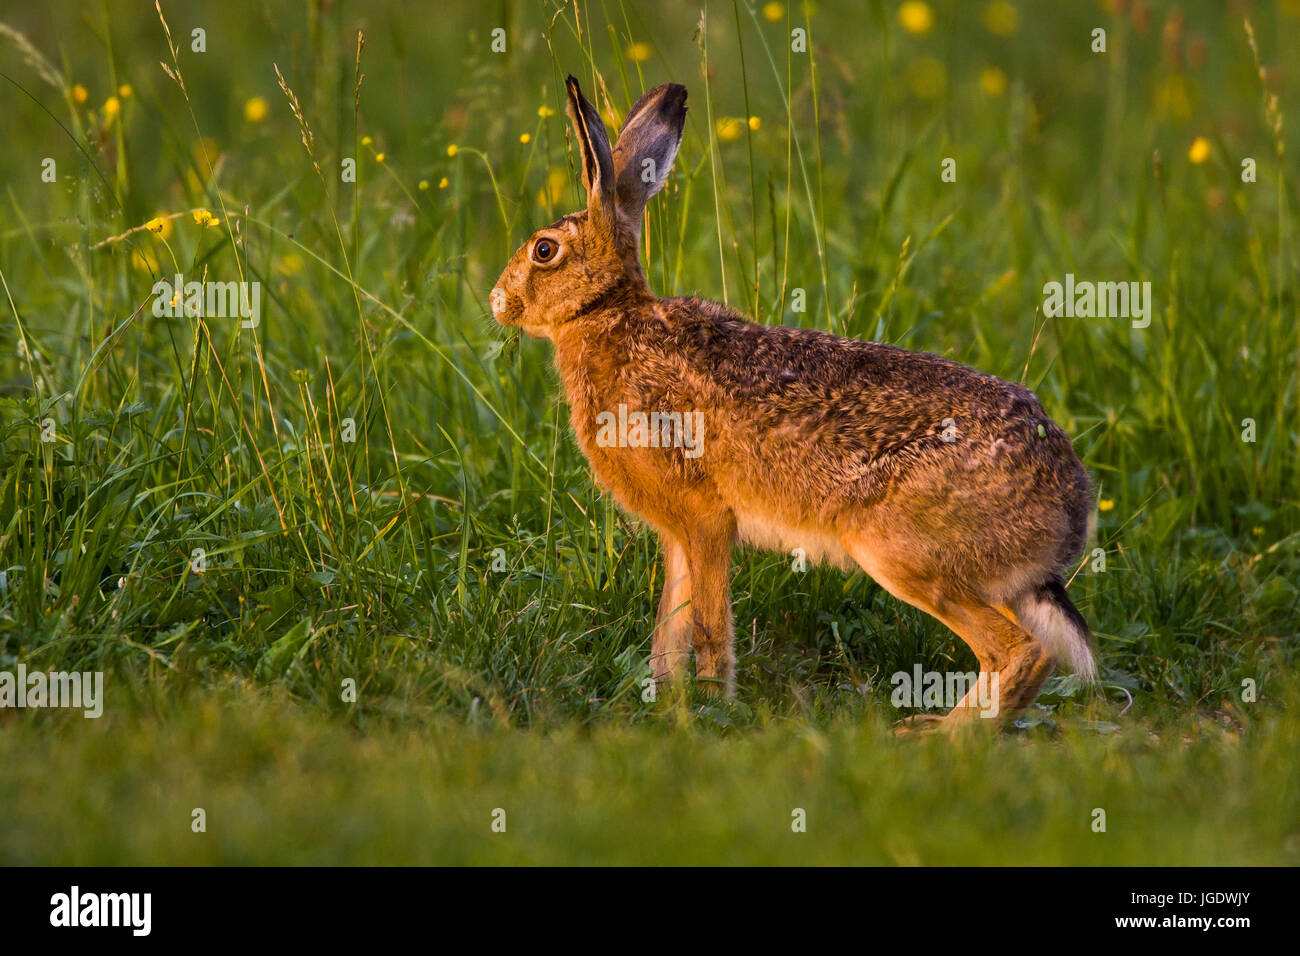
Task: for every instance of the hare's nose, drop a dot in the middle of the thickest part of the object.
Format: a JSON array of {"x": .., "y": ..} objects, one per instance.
[{"x": 497, "y": 299}]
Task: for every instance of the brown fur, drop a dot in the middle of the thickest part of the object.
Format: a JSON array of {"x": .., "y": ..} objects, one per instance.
[{"x": 811, "y": 441}]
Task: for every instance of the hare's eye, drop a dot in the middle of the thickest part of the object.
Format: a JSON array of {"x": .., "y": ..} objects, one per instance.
[{"x": 544, "y": 250}]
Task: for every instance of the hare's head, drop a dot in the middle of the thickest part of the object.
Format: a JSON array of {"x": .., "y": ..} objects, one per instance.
[{"x": 572, "y": 264}]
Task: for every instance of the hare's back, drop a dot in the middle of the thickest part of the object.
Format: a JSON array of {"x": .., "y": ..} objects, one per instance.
[{"x": 888, "y": 394}]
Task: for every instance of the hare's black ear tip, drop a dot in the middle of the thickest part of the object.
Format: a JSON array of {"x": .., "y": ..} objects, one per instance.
[
  {"x": 675, "y": 101},
  {"x": 668, "y": 95},
  {"x": 571, "y": 84}
]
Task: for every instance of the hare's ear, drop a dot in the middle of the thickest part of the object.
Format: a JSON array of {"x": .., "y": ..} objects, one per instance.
[
  {"x": 647, "y": 146},
  {"x": 597, "y": 160}
]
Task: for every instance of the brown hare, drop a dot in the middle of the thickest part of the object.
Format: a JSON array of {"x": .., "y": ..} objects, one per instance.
[{"x": 952, "y": 489}]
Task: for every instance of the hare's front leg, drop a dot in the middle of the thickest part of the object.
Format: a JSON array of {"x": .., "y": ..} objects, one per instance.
[
  {"x": 708, "y": 553},
  {"x": 672, "y": 636}
]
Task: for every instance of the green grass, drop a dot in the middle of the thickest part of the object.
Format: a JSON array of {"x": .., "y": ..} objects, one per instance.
[
  {"x": 373, "y": 560},
  {"x": 280, "y": 786}
]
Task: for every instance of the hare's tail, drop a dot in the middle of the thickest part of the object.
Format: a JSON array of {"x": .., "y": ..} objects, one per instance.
[{"x": 1047, "y": 613}]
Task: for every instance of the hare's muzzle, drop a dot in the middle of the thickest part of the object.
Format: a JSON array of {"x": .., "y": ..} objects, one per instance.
[{"x": 497, "y": 299}]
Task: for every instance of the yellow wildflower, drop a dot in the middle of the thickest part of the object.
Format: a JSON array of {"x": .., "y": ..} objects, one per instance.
[
  {"x": 916, "y": 18},
  {"x": 729, "y": 129},
  {"x": 993, "y": 81},
  {"x": 255, "y": 109},
  {"x": 160, "y": 226}
]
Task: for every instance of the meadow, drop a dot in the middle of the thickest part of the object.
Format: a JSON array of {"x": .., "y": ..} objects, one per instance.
[{"x": 343, "y": 566}]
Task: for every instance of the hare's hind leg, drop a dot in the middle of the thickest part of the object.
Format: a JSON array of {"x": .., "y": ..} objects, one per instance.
[
  {"x": 672, "y": 636},
  {"x": 708, "y": 555},
  {"x": 1001, "y": 645},
  {"x": 1004, "y": 648}
]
